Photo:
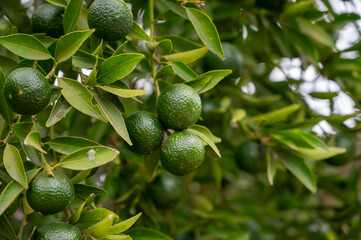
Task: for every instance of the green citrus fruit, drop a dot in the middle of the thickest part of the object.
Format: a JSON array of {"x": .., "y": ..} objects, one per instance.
[
  {"x": 165, "y": 191},
  {"x": 145, "y": 132},
  {"x": 48, "y": 19},
  {"x": 233, "y": 61},
  {"x": 59, "y": 231},
  {"x": 343, "y": 141},
  {"x": 27, "y": 92},
  {"x": 49, "y": 195},
  {"x": 182, "y": 153},
  {"x": 112, "y": 19},
  {"x": 179, "y": 106},
  {"x": 249, "y": 156}
]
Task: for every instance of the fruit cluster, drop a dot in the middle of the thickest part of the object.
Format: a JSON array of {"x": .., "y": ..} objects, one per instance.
[{"x": 179, "y": 107}]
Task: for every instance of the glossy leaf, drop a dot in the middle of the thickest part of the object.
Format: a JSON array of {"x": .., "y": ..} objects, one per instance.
[
  {"x": 60, "y": 109},
  {"x": 164, "y": 72},
  {"x": 124, "y": 93},
  {"x": 120, "y": 49},
  {"x": 14, "y": 165},
  {"x": 68, "y": 44},
  {"x": 93, "y": 216},
  {"x": 25, "y": 46},
  {"x": 67, "y": 145},
  {"x": 165, "y": 45},
  {"x": 299, "y": 168},
  {"x": 208, "y": 80},
  {"x": 151, "y": 163},
  {"x": 13, "y": 190},
  {"x": 80, "y": 98},
  {"x": 313, "y": 30},
  {"x": 183, "y": 71},
  {"x": 180, "y": 44},
  {"x": 89, "y": 157},
  {"x": 71, "y": 15},
  {"x": 82, "y": 175},
  {"x": 238, "y": 115},
  {"x": 6, "y": 229},
  {"x": 115, "y": 117},
  {"x": 124, "y": 225},
  {"x": 85, "y": 190},
  {"x": 101, "y": 228},
  {"x": 60, "y": 3},
  {"x": 117, "y": 67},
  {"x": 206, "y": 136},
  {"x": 138, "y": 33},
  {"x": 175, "y": 8},
  {"x": 76, "y": 216},
  {"x": 188, "y": 56},
  {"x": 33, "y": 139},
  {"x": 142, "y": 233},
  {"x": 206, "y": 30}
]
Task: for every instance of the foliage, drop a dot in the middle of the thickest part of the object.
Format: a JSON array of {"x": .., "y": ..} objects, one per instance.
[{"x": 95, "y": 84}]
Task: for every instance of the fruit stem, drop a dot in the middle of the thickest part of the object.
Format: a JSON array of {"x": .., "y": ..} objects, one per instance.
[
  {"x": 46, "y": 166},
  {"x": 20, "y": 234},
  {"x": 153, "y": 57},
  {"x": 51, "y": 73}
]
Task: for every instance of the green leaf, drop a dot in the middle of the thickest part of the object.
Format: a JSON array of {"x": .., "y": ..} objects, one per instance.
[
  {"x": 117, "y": 237},
  {"x": 142, "y": 233},
  {"x": 115, "y": 117},
  {"x": 180, "y": 44},
  {"x": 6, "y": 229},
  {"x": 82, "y": 59},
  {"x": 117, "y": 67},
  {"x": 164, "y": 72},
  {"x": 60, "y": 3},
  {"x": 14, "y": 165},
  {"x": 295, "y": 139},
  {"x": 206, "y": 30},
  {"x": 315, "y": 31},
  {"x": 22, "y": 130},
  {"x": 85, "y": 190},
  {"x": 68, "y": 44},
  {"x": 124, "y": 93},
  {"x": 71, "y": 15},
  {"x": 206, "y": 135},
  {"x": 60, "y": 109},
  {"x": 27, "y": 209},
  {"x": 120, "y": 49},
  {"x": 279, "y": 115},
  {"x": 5, "y": 111},
  {"x": 183, "y": 71},
  {"x": 238, "y": 114},
  {"x": 33, "y": 139},
  {"x": 100, "y": 229},
  {"x": 138, "y": 33},
  {"x": 208, "y": 80},
  {"x": 124, "y": 225},
  {"x": 25, "y": 46},
  {"x": 89, "y": 157},
  {"x": 8, "y": 64},
  {"x": 11, "y": 10},
  {"x": 301, "y": 171},
  {"x": 188, "y": 56},
  {"x": 82, "y": 175},
  {"x": 13, "y": 190},
  {"x": 165, "y": 44},
  {"x": 271, "y": 166},
  {"x": 176, "y": 8},
  {"x": 76, "y": 216},
  {"x": 92, "y": 78},
  {"x": 324, "y": 95},
  {"x": 69, "y": 145},
  {"x": 151, "y": 162},
  {"x": 93, "y": 216},
  {"x": 80, "y": 98},
  {"x": 317, "y": 155}
]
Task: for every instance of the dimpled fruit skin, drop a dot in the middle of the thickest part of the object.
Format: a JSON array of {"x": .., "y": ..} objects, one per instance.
[
  {"x": 27, "y": 92},
  {"x": 249, "y": 156},
  {"x": 112, "y": 19},
  {"x": 145, "y": 132},
  {"x": 343, "y": 141},
  {"x": 182, "y": 153},
  {"x": 59, "y": 231},
  {"x": 179, "y": 106},
  {"x": 48, "y": 19},
  {"x": 49, "y": 195},
  {"x": 165, "y": 191}
]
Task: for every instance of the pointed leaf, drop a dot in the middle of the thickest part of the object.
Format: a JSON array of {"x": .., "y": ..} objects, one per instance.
[
  {"x": 138, "y": 33},
  {"x": 124, "y": 225},
  {"x": 188, "y": 56},
  {"x": 14, "y": 165},
  {"x": 60, "y": 3},
  {"x": 115, "y": 117},
  {"x": 85, "y": 190},
  {"x": 271, "y": 167},
  {"x": 206, "y": 137},
  {"x": 26, "y": 46},
  {"x": 89, "y": 157},
  {"x": 124, "y": 93},
  {"x": 93, "y": 216},
  {"x": 71, "y": 15},
  {"x": 5, "y": 110},
  {"x": 164, "y": 44},
  {"x": 82, "y": 175},
  {"x": 117, "y": 67},
  {"x": 166, "y": 71},
  {"x": 60, "y": 109},
  {"x": 33, "y": 139},
  {"x": 68, "y": 44},
  {"x": 151, "y": 162},
  {"x": 208, "y": 80},
  {"x": 120, "y": 49},
  {"x": 68, "y": 145},
  {"x": 101, "y": 228},
  {"x": 279, "y": 115},
  {"x": 75, "y": 217},
  {"x": 183, "y": 71},
  {"x": 315, "y": 31},
  {"x": 6, "y": 229},
  {"x": 299, "y": 168},
  {"x": 80, "y": 98},
  {"x": 317, "y": 155},
  {"x": 206, "y": 30}
]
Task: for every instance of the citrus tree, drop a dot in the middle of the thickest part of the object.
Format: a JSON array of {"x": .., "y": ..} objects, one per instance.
[{"x": 179, "y": 119}]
